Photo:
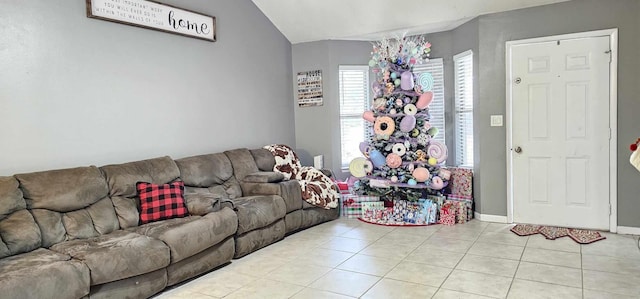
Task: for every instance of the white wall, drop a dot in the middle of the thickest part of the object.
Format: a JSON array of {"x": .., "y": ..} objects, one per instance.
[{"x": 76, "y": 91}]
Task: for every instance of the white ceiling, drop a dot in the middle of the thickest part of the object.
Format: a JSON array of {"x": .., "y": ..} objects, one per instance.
[{"x": 312, "y": 20}]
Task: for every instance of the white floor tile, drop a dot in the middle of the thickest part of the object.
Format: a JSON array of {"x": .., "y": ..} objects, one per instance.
[
  {"x": 550, "y": 274},
  {"x": 618, "y": 246},
  {"x": 372, "y": 265},
  {"x": 488, "y": 265},
  {"x": 265, "y": 288},
  {"x": 345, "y": 282},
  {"x": 298, "y": 274},
  {"x": 611, "y": 264},
  {"x": 438, "y": 258},
  {"x": 522, "y": 289},
  {"x": 392, "y": 251},
  {"x": 449, "y": 294},
  {"x": 499, "y": 238},
  {"x": 419, "y": 273},
  {"x": 497, "y": 250},
  {"x": 346, "y": 244},
  {"x": 220, "y": 283},
  {"x": 389, "y": 288},
  {"x": 478, "y": 283},
  {"x": 612, "y": 283},
  {"x": 435, "y": 243},
  {"x": 499, "y": 228},
  {"x": 309, "y": 293},
  {"x": 324, "y": 257},
  {"x": 453, "y": 233},
  {"x": 258, "y": 266},
  {"x": 552, "y": 257},
  {"x": 591, "y": 294}
]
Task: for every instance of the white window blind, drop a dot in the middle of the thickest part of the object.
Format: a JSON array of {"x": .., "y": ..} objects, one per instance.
[
  {"x": 354, "y": 100},
  {"x": 463, "y": 73},
  {"x": 436, "y": 108}
]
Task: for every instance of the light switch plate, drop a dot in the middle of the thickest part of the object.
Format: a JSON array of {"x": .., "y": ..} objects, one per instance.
[{"x": 496, "y": 120}]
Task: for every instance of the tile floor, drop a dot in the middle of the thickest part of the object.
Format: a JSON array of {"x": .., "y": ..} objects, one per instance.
[{"x": 350, "y": 259}]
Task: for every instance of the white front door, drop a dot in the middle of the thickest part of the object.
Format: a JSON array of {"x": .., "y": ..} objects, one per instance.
[{"x": 560, "y": 132}]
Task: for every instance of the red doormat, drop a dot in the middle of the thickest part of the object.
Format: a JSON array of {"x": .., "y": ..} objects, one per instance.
[{"x": 581, "y": 236}]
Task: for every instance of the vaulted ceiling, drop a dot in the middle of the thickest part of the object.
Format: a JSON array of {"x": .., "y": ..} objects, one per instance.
[{"x": 312, "y": 20}]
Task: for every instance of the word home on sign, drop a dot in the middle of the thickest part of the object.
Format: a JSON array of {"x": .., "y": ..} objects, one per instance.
[{"x": 154, "y": 15}]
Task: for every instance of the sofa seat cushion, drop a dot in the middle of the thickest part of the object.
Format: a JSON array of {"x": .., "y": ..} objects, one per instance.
[
  {"x": 38, "y": 273},
  {"x": 258, "y": 211},
  {"x": 191, "y": 235},
  {"x": 118, "y": 255}
]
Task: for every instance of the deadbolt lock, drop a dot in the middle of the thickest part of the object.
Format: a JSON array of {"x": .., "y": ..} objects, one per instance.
[
  {"x": 517, "y": 149},
  {"x": 517, "y": 80}
]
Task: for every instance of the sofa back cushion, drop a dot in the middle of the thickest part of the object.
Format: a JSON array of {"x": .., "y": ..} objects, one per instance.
[
  {"x": 210, "y": 174},
  {"x": 122, "y": 179},
  {"x": 19, "y": 232},
  {"x": 242, "y": 162},
  {"x": 69, "y": 203},
  {"x": 264, "y": 159}
]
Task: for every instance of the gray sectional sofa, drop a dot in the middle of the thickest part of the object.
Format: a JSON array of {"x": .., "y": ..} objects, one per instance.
[{"x": 75, "y": 233}]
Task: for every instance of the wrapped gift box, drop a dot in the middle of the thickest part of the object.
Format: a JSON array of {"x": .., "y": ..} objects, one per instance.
[
  {"x": 461, "y": 183},
  {"x": 370, "y": 209},
  {"x": 447, "y": 214},
  {"x": 353, "y": 210},
  {"x": 428, "y": 211},
  {"x": 467, "y": 202},
  {"x": 349, "y": 206}
]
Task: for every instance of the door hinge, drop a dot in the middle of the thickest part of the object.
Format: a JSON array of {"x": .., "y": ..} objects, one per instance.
[
  {"x": 609, "y": 133},
  {"x": 610, "y": 55},
  {"x": 609, "y": 209}
]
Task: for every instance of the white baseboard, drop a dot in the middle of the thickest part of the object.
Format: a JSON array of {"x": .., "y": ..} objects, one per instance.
[
  {"x": 490, "y": 218},
  {"x": 628, "y": 230}
]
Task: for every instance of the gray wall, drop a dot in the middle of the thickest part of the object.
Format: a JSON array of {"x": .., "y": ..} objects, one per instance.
[
  {"x": 566, "y": 17},
  {"x": 318, "y": 128},
  {"x": 77, "y": 91},
  {"x": 466, "y": 37}
]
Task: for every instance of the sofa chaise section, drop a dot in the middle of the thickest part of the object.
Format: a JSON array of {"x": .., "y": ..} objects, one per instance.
[
  {"x": 26, "y": 270},
  {"x": 197, "y": 243},
  {"x": 300, "y": 214}
]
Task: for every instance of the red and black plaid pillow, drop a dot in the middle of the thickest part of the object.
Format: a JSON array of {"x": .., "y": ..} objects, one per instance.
[{"x": 160, "y": 202}]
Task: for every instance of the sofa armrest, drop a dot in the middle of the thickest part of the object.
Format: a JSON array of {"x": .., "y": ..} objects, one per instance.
[
  {"x": 264, "y": 177},
  {"x": 288, "y": 190},
  {"x": 200, "y": 204}
]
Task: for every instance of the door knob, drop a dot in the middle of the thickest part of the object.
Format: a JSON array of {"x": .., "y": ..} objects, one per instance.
[{"x": 518, "y": 150}]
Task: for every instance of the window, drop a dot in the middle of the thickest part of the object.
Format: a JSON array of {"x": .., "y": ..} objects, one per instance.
[
  {"x": 354, "y": 100},
  {"x": 463, "y": 73},
  {"x": 436, "y": 108}
]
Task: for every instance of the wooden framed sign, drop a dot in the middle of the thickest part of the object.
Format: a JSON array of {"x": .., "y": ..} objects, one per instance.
[{"x": 154, "y": 15}]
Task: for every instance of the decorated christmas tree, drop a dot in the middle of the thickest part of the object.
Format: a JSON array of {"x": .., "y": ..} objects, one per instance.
[{"x": 401, "y": 159}]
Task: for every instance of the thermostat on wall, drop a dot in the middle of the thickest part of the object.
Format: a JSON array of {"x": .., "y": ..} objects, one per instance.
[{"x": 496, "y": 120}]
